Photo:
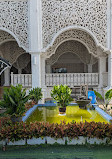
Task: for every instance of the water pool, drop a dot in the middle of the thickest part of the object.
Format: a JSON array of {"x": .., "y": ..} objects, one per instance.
[{"x": 73, "y": 113}]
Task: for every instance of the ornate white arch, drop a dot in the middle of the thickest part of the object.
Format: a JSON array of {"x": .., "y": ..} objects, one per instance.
[
  {"x": 14, "y": 20},
  {"x": 73, "y": 34},
  {"x": 22, "y": 61},
  {"x": 9, "y": 36},
  {"x": 75, "y": 28},
  {"x": 74, "y": 47},
  {"x": 13, "y": 51},
  {"x": 5, "y": 36},
  {"x": 88, "y": 14}
]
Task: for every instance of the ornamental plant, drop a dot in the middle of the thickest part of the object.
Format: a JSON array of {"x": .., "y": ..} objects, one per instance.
[
  {"x": 35, "y": 94},
  {"x": 108, "y": 96},
  {"x": 100, "y": 99},
  {"x": 62, "y": 95},
  {"x": 18, "y": 131},
  {"x": 14, "y": 99}
]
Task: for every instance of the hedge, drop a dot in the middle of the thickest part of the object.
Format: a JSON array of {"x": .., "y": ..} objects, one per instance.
[{"x": 72, "y": 130}]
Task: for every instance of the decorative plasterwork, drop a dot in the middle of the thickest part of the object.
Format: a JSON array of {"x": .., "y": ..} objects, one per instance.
[
  {"x": 72, "y": 47},
  {"x": 4, "y": 36},
  {"x": 14, "y": 18},
  {"x": 11, "y": 51},
  {"x": 28, "y": 68},
  {"x": 89, "y": 14},
  {"x": 22, "y": 61},
  {"x": 77, "y": 35}
]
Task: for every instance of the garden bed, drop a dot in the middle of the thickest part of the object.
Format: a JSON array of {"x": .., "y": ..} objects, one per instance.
[{"x": 41, "y": 133}]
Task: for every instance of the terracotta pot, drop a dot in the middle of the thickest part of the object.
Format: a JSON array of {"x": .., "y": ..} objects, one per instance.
[
  {"x": 62, "y": 110},
  {"x": 16, "y": 119}
]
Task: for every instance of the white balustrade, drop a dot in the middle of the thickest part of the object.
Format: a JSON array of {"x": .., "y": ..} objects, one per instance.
[
  {"x": 72, "y": 79},
  {"x": 24, "y": 79}
]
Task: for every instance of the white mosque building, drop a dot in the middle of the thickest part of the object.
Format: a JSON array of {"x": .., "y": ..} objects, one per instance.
[{"x": 50, "y": 42}]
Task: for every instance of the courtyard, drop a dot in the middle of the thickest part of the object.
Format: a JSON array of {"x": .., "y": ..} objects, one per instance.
[{"x": 52, "y": 55}]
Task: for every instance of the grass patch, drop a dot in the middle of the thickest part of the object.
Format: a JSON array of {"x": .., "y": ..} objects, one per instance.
[{"x": 57, "y": 152}]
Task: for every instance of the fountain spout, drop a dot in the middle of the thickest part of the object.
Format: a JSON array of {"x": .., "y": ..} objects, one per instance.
[
  {"x": 83, "y": 100},
  {"x": 81, "y": 118}
]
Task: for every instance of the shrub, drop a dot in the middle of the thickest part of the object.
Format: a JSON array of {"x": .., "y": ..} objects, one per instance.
[
  {"x": 29, "y": 105},
  {"x": 14, "y": 99},
  {"x": 40, "y": 129},
  {"x": 4, "y": 121},
  {"x": 36, "y": 94},
  {"x": 62, "y": 95}
]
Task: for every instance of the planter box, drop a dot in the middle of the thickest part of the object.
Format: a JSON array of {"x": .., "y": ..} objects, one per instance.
[
  {"x": 80, "y": 141},
  {"x": 53, "y": 141},
  {"x": 109, "y": 141},
  {"x": 20, "y": 142},
  {"x": 4, "y": 142},
  {"x": 36, "y": 141},
  {"x": 96, "y": 141}
]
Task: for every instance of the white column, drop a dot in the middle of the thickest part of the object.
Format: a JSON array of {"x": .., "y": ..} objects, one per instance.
[
  {"x": 110, "y": 69},
  {"x": 109, "y": 73},
  {"x": 35, "y": 25},
  {"x": 43, "y": 72},
  {"x": 89, "y": 68},
  {"x": 102, "y": 69},
  {"x": 36, "y": 74},
  {"x": 35, "y": 38},
  {"x": 109, "y": 44},
  {"x": 7, "y": 77}
]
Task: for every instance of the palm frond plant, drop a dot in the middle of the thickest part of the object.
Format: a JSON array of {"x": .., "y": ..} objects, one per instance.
[
  {"x": 108, "y": 96},
  {"x": 14, "y": 99},
  {"x": 35, "y": 94},
  {"x": 98, "y": 95},
  {"x": 100, "y": 99},
  {"x": 62, "y": 95}
]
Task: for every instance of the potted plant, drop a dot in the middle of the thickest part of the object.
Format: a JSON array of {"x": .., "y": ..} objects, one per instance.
[
  {"x": 35, "y": 94},
  {"x": 62, "y": 95},
  {"x": 14, "y": 99}
]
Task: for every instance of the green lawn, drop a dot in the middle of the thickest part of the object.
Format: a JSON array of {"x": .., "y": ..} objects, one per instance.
[{"x": 57, "y": 152}]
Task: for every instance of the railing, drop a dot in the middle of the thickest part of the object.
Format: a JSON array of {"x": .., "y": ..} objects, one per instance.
[
  {"x": 24, "y": 79},
  {"x": 72, "y": 79}
]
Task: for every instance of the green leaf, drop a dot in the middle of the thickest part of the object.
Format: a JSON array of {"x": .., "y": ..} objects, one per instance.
[
  {"x": 98, "y": 95},
  {"x": 108, "y": 95}
]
